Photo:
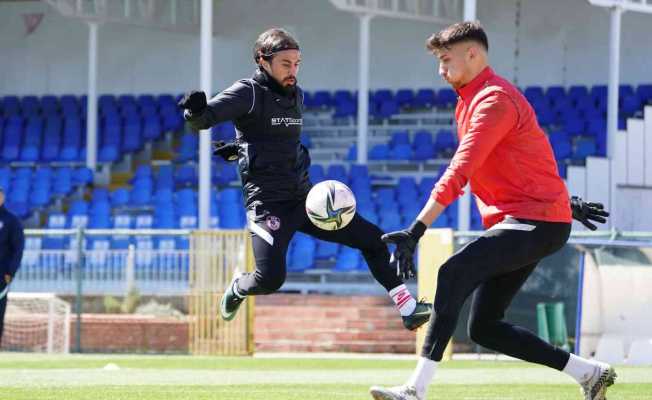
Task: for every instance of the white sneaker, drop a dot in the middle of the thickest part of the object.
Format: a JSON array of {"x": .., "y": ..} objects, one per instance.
[
  {"x": 596, "y": 387},
  {"x": 395, "y": 393}
]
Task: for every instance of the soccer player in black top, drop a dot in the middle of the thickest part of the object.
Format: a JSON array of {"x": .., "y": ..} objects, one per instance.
[{"x": 267, "y": 114}]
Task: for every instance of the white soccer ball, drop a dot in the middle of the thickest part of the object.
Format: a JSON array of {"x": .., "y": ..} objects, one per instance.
[{"x": 330, "y": 205}]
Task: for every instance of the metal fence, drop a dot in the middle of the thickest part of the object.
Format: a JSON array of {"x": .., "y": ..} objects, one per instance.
[{"x": 69, "y": 261}]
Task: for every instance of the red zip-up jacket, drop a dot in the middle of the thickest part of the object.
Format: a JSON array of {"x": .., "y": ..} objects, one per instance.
[{"x": 504, "y": 154}]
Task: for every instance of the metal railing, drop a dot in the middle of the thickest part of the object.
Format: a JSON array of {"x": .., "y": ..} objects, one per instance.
[{"x": 70, "y": 261}]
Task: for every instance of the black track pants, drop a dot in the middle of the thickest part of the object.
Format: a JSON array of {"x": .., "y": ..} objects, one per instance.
[
  {"x": 272, "y": 227},
  {"x": 495, "y": 266}
]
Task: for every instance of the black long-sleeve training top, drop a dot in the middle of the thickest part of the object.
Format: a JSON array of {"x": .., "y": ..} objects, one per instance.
[{"x": 268, "y": 120}]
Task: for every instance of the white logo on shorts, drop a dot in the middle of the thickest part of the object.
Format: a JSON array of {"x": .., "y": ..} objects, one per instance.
[{"x": 273, "y": 223}]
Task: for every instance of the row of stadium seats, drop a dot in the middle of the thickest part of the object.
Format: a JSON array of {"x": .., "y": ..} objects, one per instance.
[
  {"x": 34, "y": 132},
  {"x": 423, "y": 147},
  {"x": 385, "y": 103},
  {"x": 28, "y": 189}
]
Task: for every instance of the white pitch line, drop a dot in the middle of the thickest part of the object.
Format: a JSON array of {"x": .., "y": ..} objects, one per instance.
[{"x": 194, "y": 377}]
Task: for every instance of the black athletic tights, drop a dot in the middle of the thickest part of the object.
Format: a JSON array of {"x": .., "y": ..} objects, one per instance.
[
  {"x": 272, "y": 225},
  {"x": 495, "y": 266}
]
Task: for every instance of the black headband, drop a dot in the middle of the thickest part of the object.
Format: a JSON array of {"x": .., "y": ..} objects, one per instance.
[{"x": 279, "y": 48}]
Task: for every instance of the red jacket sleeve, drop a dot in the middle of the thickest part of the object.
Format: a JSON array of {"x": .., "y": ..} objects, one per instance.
[{"x": 493, "y": 117}]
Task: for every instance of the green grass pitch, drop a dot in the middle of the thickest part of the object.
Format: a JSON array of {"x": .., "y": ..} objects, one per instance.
[{"x": 76, "y": 377}]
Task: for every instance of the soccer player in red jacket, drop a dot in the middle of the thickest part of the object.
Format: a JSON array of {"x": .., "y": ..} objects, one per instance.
[{"x": 524, "y": 204}]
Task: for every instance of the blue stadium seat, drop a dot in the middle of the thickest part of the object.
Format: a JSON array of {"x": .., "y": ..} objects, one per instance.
[
  {"x": 69, "y": 105},
  {"x": 425, "y": 98},
  {"x": 13, "y": 134},
  {"x": 165, "y": 219},
  {"x": 100, "y": 220},
  {"x": 11, "y": 106},
  {"x": 345, "y": 109},
  {"x": 165, "y": 177},
  {"x": 422, "y": 138},
  {"x": 630, "y": 104},
  {"x": 562, "y": 147},
  {"x": 584, "y": 147},
  {"x": 224, "y": 173},
  {"x": 400, "y": 137},
  {"x": 424, "y": 152},
  {"x": 379, "y": 152},
  {"x": 401, "y": 152},
  {"x": 132, "y": 134},
  {"x": 30, "y": 106},
  {"x": 534, "y": 93},
  {"x": 172, "y": 118},
  {"x": 554, "y": 93},
  {"x": 577, "y": 92},
  {"x": 78, "y": 207},
  {"x": 385, "y": 195},
  {"x": 52, "y": 138},
  {"x": 40, "y": 197},
  {"x": 140, "y": 196},
  {"x": 426, "y": 185},
  {"x": 352, "y": 153},
  {"x": 337, "y": 172},
  {"x": 82, "y": 176},
  {"x": 445, "y": 142},
  {"x": 446, "y": 98},
  {"x": 231, "y": 217},
  {"x": 347, "y": 260},
  {"x": 562, "y": 168},
  {"x": 390, "y": 222},
  {"x": 186, "y": 175},
  {"x": 326, "y": 250},
  {"x": 644, "y": 93},
  {"x": 307, "y": 100},
  {"x": 387, "y": 109},
  {"x": 230, "y": 197},
  {"x": 142, "y": 171},
  {"x": 406, "y": 184},
  {"x": 625, "y": 90},
  {"x": 62, "y": 184},
  {"x": 382, "y": 95},
  {"x": 359, "y": 172},
  {"x": 322, "y": 99},
  {"x": 32, "y": 139},
  {"x": 303, "y": 253},
  {"x": 188, "y": 147},
  {"x": 343, "y": 95},
  {"x": 405, "y": 98},
  {"x": 575, "y": 126},
  {"x": 316, "y": 173}
]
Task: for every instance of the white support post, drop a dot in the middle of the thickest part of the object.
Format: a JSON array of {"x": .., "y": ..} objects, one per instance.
[
  {"x": 206, "y": 59},
  {"x": 464, "y": 207},
  {"x": 363, "y": 88},
  {"x": 470, "y": 7},
  {"x": 91, "y": 113},
  {"x": 614, "y": 78}
]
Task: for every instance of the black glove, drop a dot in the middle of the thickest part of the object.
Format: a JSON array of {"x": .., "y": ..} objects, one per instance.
[
  {"x": 194, "y": 101},
  {"x": 406, "y": 243},
  {"x": 584, "y": 212},
  {"x": 228, "y": 151}
]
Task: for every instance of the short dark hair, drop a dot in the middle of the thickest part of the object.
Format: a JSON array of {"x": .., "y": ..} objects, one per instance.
[
  {"x": 456, "y": 33},
  {"x": 272, "y": 41}
]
